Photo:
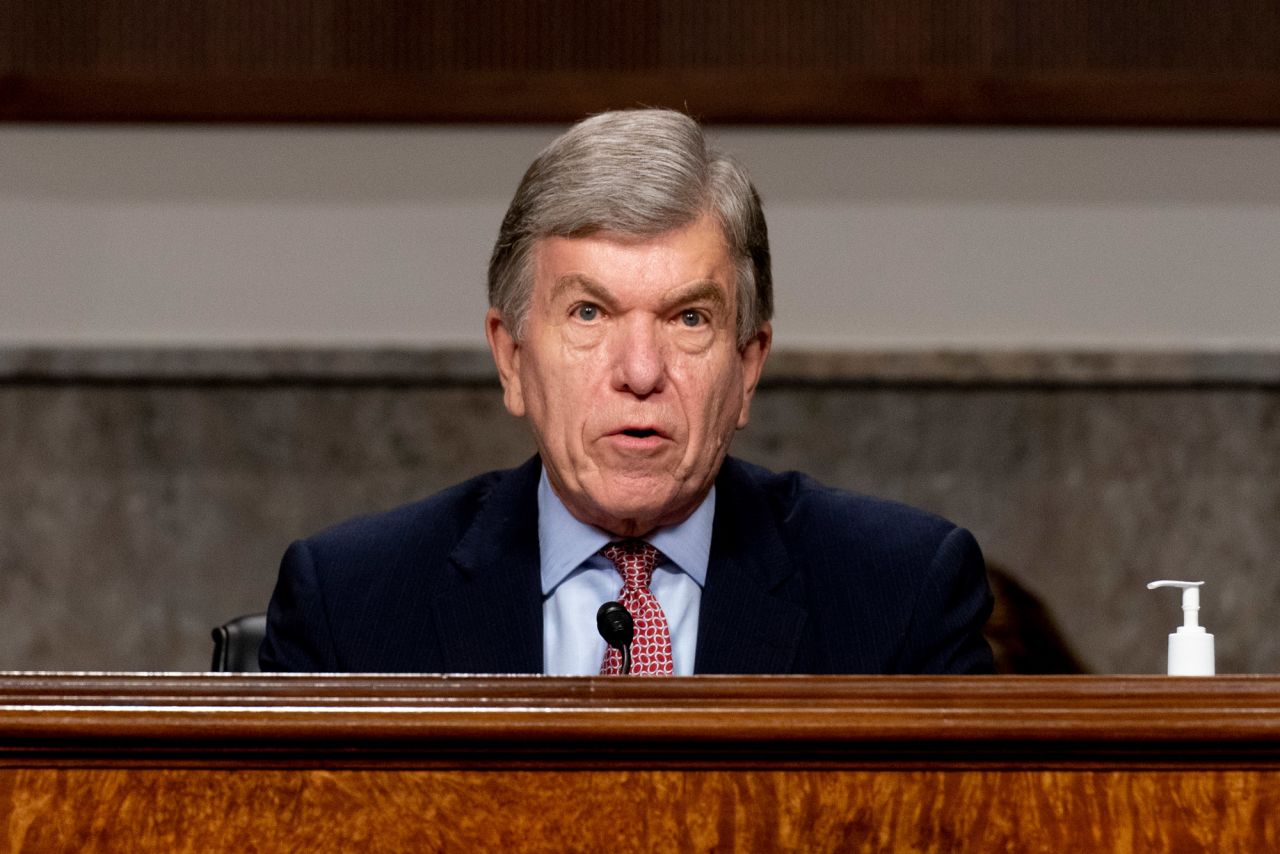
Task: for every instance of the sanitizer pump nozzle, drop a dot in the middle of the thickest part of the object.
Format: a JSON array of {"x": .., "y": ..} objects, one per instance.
[{"x": 1190, "y": 647}]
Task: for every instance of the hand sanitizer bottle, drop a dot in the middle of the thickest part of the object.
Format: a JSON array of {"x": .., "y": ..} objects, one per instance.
[{"x": 1190, "y": 647}]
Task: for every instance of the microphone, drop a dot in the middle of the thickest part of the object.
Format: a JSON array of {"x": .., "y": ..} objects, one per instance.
[{"x": 617, "y": 628}]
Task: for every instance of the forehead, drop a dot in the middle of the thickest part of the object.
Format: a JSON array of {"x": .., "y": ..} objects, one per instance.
[{"x": 692, "y": 254}]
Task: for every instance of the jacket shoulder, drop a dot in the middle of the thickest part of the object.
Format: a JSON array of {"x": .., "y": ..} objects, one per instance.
[
  {"x": 437, "y": 521},
  {"x": 359, "y": 596},
  {"x": 888, "y": 588},
  {"x": 805, "y": 508}
]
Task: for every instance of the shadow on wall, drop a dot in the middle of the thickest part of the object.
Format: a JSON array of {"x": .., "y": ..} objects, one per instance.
[{"x": 1022, "y": 633}]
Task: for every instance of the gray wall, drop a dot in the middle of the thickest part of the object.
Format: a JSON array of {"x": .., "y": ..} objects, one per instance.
[
  {"x": 911, "y": 238},
  {"x": 147, "y": 497}
]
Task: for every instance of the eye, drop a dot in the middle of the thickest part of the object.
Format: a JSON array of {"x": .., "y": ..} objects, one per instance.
[
  {"x": 691, "y": 318},
  {"x": 587, "y": 312}
]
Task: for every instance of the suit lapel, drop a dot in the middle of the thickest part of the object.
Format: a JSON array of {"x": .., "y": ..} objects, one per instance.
[
  {"x": 490, "y": 608},
  {"x": 744, "y": 624}
]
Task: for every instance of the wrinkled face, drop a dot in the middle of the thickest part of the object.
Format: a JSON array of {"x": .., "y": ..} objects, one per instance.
[{"x": 630, "y": 373}]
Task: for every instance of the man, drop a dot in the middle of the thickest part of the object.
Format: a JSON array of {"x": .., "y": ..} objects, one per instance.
[{"x": 630, "y": 298}]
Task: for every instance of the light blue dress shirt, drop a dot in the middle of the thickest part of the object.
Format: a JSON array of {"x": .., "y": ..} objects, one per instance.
[{"x": 577, "y": 580}]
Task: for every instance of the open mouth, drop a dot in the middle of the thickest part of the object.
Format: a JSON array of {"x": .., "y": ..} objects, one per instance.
[{"x": 640, "y": 434}]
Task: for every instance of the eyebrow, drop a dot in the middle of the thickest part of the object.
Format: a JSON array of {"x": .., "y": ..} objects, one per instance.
[
  {"x": 703, "y": 291},
  {"x": 706, "y": 290},
  {"x": 590, "y": 287}
]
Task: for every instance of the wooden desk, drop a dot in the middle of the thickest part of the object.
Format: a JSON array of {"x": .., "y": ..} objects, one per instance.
[{"x": 205, "y": 762}]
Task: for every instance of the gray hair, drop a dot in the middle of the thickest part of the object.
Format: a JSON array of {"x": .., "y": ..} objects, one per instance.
[{"x": 637, "y": 173}]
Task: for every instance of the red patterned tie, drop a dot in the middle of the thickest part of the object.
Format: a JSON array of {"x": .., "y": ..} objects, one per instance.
[{"x": 651, "y": 649}]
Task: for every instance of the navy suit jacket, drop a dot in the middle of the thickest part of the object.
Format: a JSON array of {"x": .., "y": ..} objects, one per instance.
[{"x": 802, "y": 579}]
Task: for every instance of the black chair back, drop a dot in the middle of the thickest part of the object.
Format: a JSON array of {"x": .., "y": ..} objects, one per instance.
[{"x": 236, "y": 642}]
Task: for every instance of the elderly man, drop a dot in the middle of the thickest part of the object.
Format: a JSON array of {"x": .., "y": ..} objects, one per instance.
[{"x": 630, "y": 296}]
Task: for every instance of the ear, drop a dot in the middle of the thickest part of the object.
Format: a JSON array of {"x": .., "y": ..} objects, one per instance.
[
  {"x": 506, "y": 355},
  {"x": 753, "y": 355}
]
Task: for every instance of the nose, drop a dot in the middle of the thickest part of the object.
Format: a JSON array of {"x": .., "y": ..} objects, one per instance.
[{"x": 638, "y": 358}]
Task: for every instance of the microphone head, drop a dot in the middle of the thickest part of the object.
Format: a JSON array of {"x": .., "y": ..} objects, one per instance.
[{"x": 615, "y": 624}]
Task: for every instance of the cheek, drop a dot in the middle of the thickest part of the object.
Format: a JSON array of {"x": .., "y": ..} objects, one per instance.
[
  {"x": 712, "y": 399},
  {"x": 558, "y": 399}
]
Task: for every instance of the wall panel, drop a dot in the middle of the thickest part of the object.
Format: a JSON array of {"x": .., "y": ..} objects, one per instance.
[
  {"x": 149, "y": 496},
  {"x": 976, "y": 61}
]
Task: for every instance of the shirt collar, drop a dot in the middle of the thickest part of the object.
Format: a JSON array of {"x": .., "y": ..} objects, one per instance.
[{"x": 566, "y": 543}]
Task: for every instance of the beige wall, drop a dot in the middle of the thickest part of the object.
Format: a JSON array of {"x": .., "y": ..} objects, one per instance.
[{"x": 882, "y": 237}]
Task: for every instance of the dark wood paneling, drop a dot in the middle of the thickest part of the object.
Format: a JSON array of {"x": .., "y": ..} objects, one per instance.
[
  {"x": 973, "y": 61},
  {"x": 801, "y": 720},
  {"x": 199, "y": 763}
]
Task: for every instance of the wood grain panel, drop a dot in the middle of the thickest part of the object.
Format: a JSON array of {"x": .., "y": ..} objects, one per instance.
[
  {"x": 973, "y": 61},
  {"x": 187, "y": 763},
  {"x": 176, "y": 810}
]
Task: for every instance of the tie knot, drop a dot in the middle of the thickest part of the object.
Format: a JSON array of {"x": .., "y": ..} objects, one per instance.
[{"x": 635, "y": 560}]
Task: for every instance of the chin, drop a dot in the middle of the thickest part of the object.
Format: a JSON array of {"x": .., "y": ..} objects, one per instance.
[{"x": 632, "y": 516}]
